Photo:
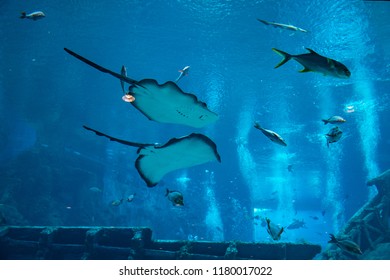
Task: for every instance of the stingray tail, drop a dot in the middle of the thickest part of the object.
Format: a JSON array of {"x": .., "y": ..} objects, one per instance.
[
  {"x": 23, "y": 15},
  {"x": 286, "y": 57}
]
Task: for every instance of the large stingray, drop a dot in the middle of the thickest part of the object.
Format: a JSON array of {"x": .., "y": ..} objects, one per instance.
[
  {"x": 165, "y": 103},
  {"x": 154, "y": 161}
]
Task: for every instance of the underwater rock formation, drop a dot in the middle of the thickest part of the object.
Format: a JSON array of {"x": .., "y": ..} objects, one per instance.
[{"x": 369, "y": 227}]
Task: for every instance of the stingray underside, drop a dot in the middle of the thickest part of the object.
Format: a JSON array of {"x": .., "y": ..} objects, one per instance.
[
  {"x": 167, "y": 103},
  {"x": 154, "y": 162}
]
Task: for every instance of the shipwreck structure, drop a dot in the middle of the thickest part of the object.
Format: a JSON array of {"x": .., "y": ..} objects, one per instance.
[
  {"x": 112, "y": 243},
  {"x": 369, "y": 227}
]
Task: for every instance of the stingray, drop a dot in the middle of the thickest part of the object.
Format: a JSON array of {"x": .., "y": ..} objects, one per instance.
[
  {"x": 155, "y": 161},
  {"x": 164, "y": 103}
]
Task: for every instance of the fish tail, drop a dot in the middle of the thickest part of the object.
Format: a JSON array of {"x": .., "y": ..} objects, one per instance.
[
  {"x": 167, "y": 192},
  {"x": 286, "y": 57},
  {"x": 23, "y": 15},
  {"x": 263, "y": 21},
  {"x": 256, "y": 125},
  {"x": 332, "y": 239},
  {"x": 325, "y": 121}
]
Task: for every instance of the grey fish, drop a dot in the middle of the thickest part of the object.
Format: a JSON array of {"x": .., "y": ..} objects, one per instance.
[
  {"x": 175, "y": 197},
  {"x": 282, "y": 25},
  {"x": 274, "y": 230},
  {"x": 297, "y": 224},
  {"x": 334, "y": 120},
  {"x": 346, "y": 245},
  {"x": 34, "y": 15},
  {"x": 117, "y": 202},
  {"x": 313, "y": 62},
  {"x": 273, "y": 136},
  {"x": 333, "y": 135}
]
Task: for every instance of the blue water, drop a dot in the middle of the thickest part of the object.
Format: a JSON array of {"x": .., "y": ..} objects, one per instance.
[{"x": 49, "y": 163}]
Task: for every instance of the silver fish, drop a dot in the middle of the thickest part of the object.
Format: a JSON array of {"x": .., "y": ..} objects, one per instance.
[
  {"x": 183, "y": 72},
  {"x": 282, "y": 25},
  {"x": 34, "y": 15},
  {"x": 334, "y": 120},
  {"x": 273, "y": 136}
]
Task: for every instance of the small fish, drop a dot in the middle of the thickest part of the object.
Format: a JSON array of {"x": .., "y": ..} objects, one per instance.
[
  {"x": 117, "y": 202},
  {"x": 34, "y": 15},
  {"x": 282, "y": 25},
  {"x": 297, "y": 224},
  {"x": 314, "y": 217},
  {"x": 346, "y": 245},
  {"x": 273, "y": 136},
  {"x": 183, "y": 72},
  {"x": 334, "y": 120},
  {"x": 130, "y": 198},
  {"x": 123, "y": 73},
  {"x": 95, "y": 189},
  {"x": 274, "y": 230},
  {"x": 313, "y": 62},
  {"x": 333, "y": 135},
  {"x": 290, "y": 168},
  {"x": 175, "y": 197}
]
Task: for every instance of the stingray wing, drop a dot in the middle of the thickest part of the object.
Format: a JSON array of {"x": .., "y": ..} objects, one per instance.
[
  {"x": 167, "y": 103},
  {"x": 154, "y": 162}
]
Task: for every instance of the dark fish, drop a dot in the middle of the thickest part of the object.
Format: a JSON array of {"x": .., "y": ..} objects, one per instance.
[
  {"x": 313, "y": 62},
  {"x": 346, "y": 245},
  {"x": 290, "y": 168},
  {"x": 273, "y": 230},
  {"x": 333, "y": 135},
  {"x": 117, "y": 202},
  {"x": 297, "y": 224},
  {"x": 314, "y": 217},
  {"x": 34, "y": 15},
  {"x": 175, "y": 197}
]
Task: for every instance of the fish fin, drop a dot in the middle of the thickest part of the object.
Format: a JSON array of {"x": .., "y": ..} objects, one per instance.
[
  {"x": 311, "y": 51},
  {"x": 286, "y": 57},
  {"x": 304, "y": 70},
  {"x": 325, "y": 121},
  {"x": 331, "y": 63},
  {"x": 23, "y": 15}
]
